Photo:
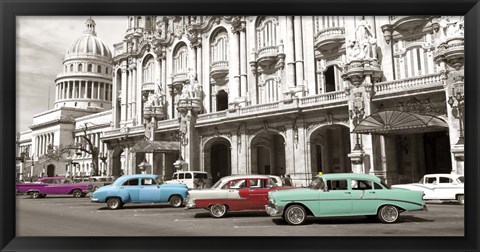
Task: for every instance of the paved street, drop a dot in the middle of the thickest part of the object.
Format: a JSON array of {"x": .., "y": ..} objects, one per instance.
[{"x": 67, "y": 216}]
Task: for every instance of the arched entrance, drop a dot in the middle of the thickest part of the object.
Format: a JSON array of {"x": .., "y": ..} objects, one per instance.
[
  {"x": 409, "y": 144},
  {"x": 268, "y": 154},
  {"x": 329, "y": 148},
  {"x": 217, "y": 157},
  {"x": 50, "y": 170}
]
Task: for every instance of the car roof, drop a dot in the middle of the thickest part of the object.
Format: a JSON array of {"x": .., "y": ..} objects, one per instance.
[
  {"x": 350, "y": 176},
  {"x": 443, "y": 174},
  {"x": 246, "y": 176},
  {"x": 40, "y": 179},
  {"x": 133, "y": 176},
  {"x": 190, "y": 171}
]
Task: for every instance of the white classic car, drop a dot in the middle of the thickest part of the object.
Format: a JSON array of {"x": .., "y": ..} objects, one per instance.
[{"x": 446, "y": 187}]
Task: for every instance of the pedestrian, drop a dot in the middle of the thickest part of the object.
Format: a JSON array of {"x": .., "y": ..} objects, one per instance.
[
  {"x": 282, "y": 178},
  {"x": 288, "y": 180}
]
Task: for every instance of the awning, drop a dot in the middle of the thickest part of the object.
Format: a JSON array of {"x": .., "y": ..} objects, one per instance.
[
  {"x": 155, "y": 146},
  {"x": 399, "y": 122}
]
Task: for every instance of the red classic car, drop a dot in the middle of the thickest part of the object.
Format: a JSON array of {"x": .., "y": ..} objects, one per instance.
[
  {"x": 234, "y": 193},
  {"x": 54, "y": 185}
]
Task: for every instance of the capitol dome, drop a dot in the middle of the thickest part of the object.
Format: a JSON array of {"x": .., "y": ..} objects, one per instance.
[
  {"x": 88, "y": 43},
  {"x": 86, "y": 80}
]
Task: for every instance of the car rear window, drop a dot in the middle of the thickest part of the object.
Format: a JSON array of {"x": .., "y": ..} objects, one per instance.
[
  {"x": 131, "y": 182},
  {"x": 188, "y": 175},
  {"x": 445, "y": 180}
]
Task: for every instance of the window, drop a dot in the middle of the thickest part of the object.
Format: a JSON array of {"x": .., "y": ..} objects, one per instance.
[
  {"x": 175, "y": 176},
  {"x": 238, "y": 184},
  {"x": 99, "y": 69},
  {"x": 430, "y": 180},
  {"x": 181, "y": 176},
  {"x": 377, "y": 186},
  {"x": 131, "y": 182},
  {"x": 219, "y": 47},
  {"x": 258, "y": 183},
  {"x": 188, "y": 175},
  {"x": 80, "y": 67},
  {"x": 324, "y": 22},
  {"x": 89, "y": 68},
  {"x": 445, "y": 180},
  {"x": 149, "y": 70},
  {"x": 148, "y": 181},
  {"x": 461, "y": 179},
  {"x": 267, "y": 32},
  {"x": 335, "y": 185},
  {"x": 47, "y": 181},
  {"x": 200, "y": 176},
  {"x": 361, "y": 185},
  {"x": 180, "y": 59},
  {"x": 317, "y": 184}
]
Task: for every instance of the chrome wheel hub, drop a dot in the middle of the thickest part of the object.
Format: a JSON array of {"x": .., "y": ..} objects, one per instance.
[
  {"x": 296, "y": 215},
  {"x": 390, "y": 213}
]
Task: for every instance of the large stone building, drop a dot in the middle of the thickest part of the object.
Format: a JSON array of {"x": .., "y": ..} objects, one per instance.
[{"x": 278, "y": 95}]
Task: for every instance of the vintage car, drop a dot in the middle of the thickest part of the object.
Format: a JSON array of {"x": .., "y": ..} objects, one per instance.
[
  {"x": 445, "y": 187},
  {"x": 234, "y": 193},
  {"x": 99, "y": 181},
  {"x": 343, "y": 194},
  {"x": 54, "y": 185},
  {"x": 193, "y": 179},
  {"x": 140, "y": 188}
]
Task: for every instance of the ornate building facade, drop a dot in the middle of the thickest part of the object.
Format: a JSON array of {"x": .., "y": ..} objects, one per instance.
[{"x": 286, "y": 95}]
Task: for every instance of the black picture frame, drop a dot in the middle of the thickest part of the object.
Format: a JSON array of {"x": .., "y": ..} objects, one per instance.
[{"x": 12, "y": 8}]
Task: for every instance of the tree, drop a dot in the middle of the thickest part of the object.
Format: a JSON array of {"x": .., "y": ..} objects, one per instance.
[{"x": 58, "y": 153}]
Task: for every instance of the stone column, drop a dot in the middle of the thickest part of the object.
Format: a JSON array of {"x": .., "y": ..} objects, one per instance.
[
  {"x": 234, "y": 86},
  {"x": 189, "y": 109},
  {"x": 123, "y": 116},
  {"x": 133, "y": 86},
  {"x": 298, "y": 50},
  {"x": 243, "y": 64},
  {"x": 290, "y": 53}
]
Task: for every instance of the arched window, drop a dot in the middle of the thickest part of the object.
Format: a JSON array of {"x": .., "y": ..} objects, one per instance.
[
  {"x": 324, "y": 22},
  {"x": 149, "y": 70},
  {"x": 80, "y": 67},
  {"x": 71, "y": 68},
  {"x": 66, "y": 69},
  {"x": 180, "y": 62},
  {"x": 90, "y": 68},
  {"x": 219, "y": 46},
  {"x": 222, "y": 100},
  {"x": 267, "y": 32},
  {"x": 106, "y": 70},
  {"x": 413, "y": 56},
  {"x": 99, "y": 69}
]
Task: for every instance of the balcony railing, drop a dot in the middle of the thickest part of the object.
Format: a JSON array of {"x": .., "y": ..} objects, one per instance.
[
  {"x": 212, "y": 116},
  {"x": 259, "y": 108},
  {"x": 387, "y": 87},
  {"x": 336, "y": 96},
  {"x": 331, "y": 31},
  {"x": 180, "y": 77},
  {"x": 112, "y": 132},
  {"x": 267, "y": 51},
  {"x": 170, "y": 123}
]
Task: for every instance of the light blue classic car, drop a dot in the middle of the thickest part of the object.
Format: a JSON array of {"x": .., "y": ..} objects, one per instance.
[
  {"x": 140, "y": 188},
  {"x": 343, "y": 194}
]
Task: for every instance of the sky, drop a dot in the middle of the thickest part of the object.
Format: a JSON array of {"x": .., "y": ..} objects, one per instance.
[{"x": 41, "y": 46}]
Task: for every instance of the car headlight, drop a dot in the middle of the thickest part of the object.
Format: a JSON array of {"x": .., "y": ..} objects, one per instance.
[{"x": 271, "y": 200}]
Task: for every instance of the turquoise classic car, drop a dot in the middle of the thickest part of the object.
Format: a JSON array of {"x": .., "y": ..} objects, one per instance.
[
  {"x": 140, "y": 188},
  {"x": 343, "y": 194}
]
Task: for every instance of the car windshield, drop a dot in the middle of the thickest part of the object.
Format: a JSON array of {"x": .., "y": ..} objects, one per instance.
[
  {"x": 317, "y": 183},
  {"x": 216, "y": 185},
  {"x": 461, "y": 179}
]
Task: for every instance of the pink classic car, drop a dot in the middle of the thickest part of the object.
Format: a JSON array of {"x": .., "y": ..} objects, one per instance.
[{"x": 54, "y": 185}]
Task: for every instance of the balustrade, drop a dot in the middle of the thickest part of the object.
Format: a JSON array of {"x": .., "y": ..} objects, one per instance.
[{"x": 409, "y": 83}]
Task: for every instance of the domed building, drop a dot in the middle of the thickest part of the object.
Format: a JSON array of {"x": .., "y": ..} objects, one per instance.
[
  {"x": 86, "y": 81},
  {"x": 82, "y": 109}
]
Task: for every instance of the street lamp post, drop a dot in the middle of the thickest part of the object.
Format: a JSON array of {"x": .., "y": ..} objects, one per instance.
[
  {"x": 356, "y": 114},
  {"x": 458, "y": 108},
  {"x": 103, "y": 157}
]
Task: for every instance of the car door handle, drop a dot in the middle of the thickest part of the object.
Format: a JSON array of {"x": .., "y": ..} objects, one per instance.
[
  {"x": 231, "y": 190},
  {"x": 371, "y": 192},
  {"x": 348, "y": 193}
]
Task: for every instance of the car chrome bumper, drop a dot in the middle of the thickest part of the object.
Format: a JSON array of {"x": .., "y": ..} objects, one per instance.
[
  {"x": 273, "y": 211},
  {"x": 94, "y": 200},
  {"x": 190, "y": 205},
  {"x": 425, "y": 208}
]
